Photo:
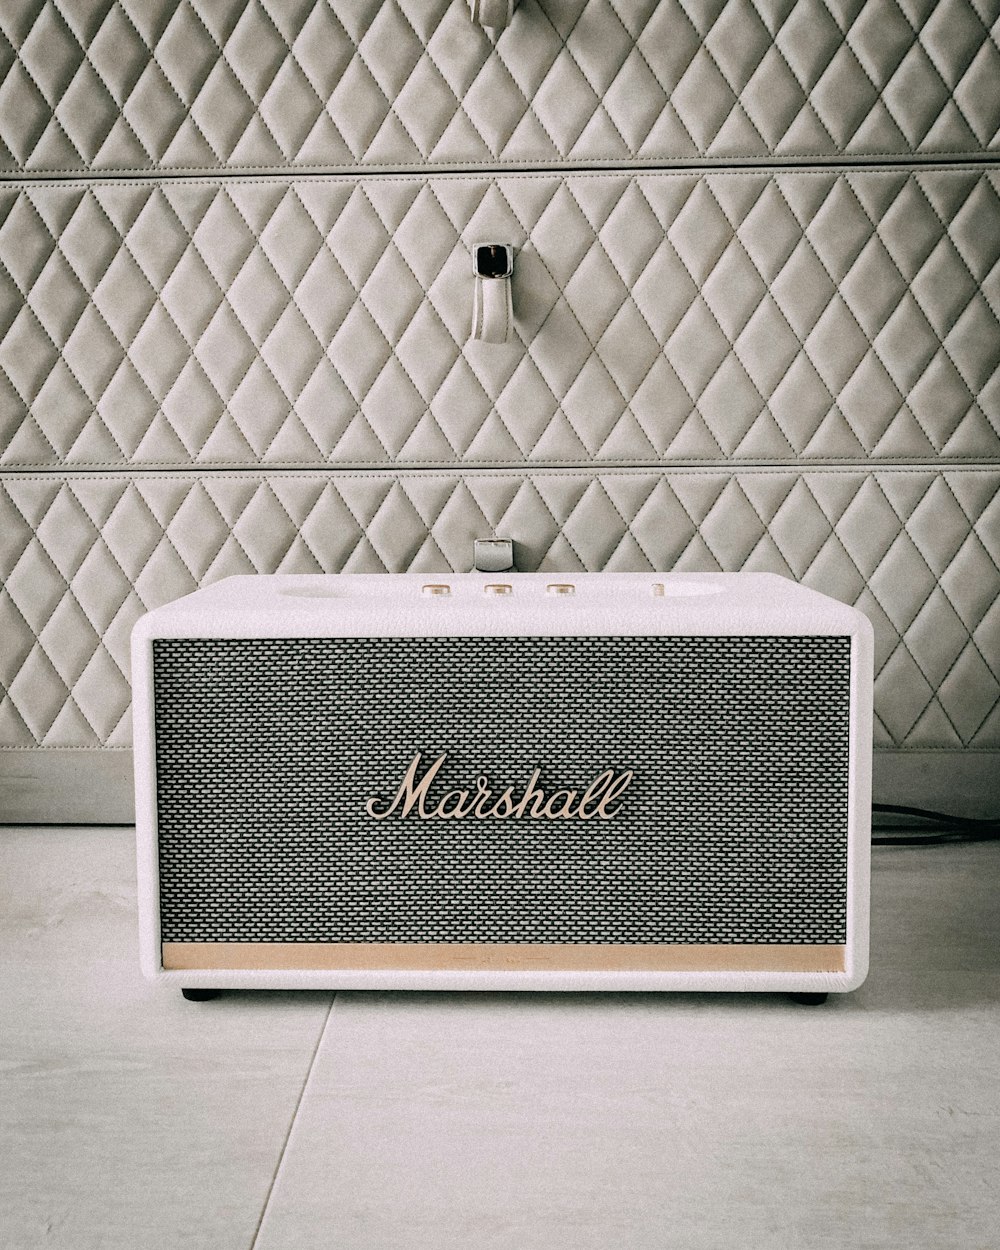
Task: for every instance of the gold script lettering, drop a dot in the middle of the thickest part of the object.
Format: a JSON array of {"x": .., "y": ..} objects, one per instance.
[
  {"x": 594, "y": 794},
  {"x": 409, "y": 793},
  {"x": 460, "y": 805},
  {"x": 456, "y": 804},
  {"x": 532, "y": 795},
  {"x": 564, "y": 812},
  {"x": 618, "y": 786}
]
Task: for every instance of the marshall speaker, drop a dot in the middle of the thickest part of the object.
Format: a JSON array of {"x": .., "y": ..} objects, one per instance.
[{"x": 521, "y": 781}]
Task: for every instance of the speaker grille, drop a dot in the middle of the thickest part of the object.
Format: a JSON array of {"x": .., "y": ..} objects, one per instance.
[{"x": 734, "y": 829}]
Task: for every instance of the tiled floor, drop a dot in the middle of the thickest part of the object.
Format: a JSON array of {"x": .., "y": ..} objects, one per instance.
[{"x": 134, "y": 1119}]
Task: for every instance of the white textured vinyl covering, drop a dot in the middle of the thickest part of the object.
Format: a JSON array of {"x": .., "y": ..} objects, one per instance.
[{"x": 357, "y": 606}]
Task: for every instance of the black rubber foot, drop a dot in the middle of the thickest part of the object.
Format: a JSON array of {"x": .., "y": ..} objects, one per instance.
[
  {"x": 200, "y": 996},
  {"x": 808, "y": 1000}
]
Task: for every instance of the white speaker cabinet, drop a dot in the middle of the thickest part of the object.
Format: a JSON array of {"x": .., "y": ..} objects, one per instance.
[{"x": 504, "y": 781}]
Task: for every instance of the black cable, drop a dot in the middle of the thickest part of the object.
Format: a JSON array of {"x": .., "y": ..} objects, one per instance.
[
  {"x": 934, "y": 827},
  {"x": 926, "y": 813}
]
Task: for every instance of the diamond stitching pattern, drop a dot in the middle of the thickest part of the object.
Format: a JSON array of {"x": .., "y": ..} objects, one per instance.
[
  {"x": 672, "y": 327},
  {"x": 84, "y": 556},
  {"x": 258, "y": 84},
  {"x": 739, "y": 316}
]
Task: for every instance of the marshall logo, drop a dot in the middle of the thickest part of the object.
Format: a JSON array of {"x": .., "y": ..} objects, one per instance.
[{"x": 486, "y": 804}]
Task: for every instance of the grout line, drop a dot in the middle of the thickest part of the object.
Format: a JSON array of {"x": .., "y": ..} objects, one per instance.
[{"x": 291, "y": 1125}]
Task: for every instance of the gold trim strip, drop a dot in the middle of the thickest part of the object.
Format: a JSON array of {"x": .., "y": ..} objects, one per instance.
[{"x": 498, "y": 957}]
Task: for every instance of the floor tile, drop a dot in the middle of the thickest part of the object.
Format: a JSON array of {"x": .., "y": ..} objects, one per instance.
[
  {"x": 130, "y": 1117},
  {"x": 693, "y": 1121}
]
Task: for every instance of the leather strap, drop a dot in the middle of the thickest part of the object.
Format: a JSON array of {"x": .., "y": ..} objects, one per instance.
[
  {"x": 493, "y": 555},
  {"x": 493, "y": 13},
  {"x": 493, "y": 311}
]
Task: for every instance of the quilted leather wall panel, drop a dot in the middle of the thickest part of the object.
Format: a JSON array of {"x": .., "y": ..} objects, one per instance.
[
  {"x": 267, "y": 84},
  {"x": 83, "y": 556},
  {"x": 236, "y": 294},
  {"x": 659, "y": 317}
]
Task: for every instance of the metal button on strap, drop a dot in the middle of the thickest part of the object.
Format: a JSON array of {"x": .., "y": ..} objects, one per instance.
[{"x": 494, "y": 260}]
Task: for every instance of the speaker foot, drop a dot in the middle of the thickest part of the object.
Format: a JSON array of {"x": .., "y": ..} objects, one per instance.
[
  {"x": 200, "y": 996},
  {"x": 808, "y": 999}
]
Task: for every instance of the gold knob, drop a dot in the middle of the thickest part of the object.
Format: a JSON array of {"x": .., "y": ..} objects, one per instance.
[
  {"x": 433, "y": 588},
  {"x": 561, "y": 588}
]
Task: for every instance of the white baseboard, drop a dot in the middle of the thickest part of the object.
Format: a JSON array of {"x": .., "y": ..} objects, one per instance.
[
  {"x": 961, "y": 783},
  {"x": 66, "y": 786}
]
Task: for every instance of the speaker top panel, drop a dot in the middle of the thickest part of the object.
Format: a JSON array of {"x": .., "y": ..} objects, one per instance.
[{"x": 547, "y": 604}]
